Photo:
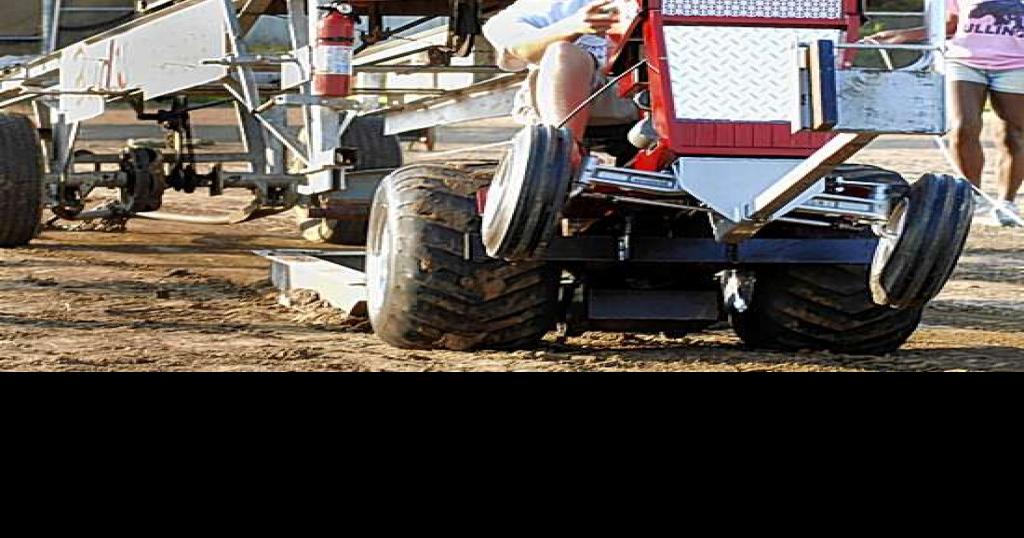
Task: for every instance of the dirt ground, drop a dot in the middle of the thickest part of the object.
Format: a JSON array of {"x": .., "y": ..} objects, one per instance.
[{"x": 166, "y": 297}]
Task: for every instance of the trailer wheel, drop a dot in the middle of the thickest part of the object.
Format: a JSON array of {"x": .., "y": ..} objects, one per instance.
[
  {"x": 425, "y": 292},
  {"x": 922, "y": 243},
  {"x": 822, "y": 308},
  {"x": 21, "y": 181},
  {"x": 374, "y": 151}
]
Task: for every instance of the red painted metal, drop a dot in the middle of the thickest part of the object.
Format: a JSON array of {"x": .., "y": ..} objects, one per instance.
[
  {"x": 333, "y": 53},
  {"x": 716, "y": 138},
  {"x": 481, "y": 200},
  {"x": 754, "y": 21}
]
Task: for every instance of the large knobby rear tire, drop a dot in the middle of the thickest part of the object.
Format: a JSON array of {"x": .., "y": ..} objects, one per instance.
[
  {"x": 423, "y": 292},
  {"x": 374, "y": 151},
  {"x": 21, "y": 181},
  {"x": 822, "y": 308}
]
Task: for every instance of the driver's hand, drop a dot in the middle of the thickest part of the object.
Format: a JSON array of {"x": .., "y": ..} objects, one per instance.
[{"x": 597, "y": 17}]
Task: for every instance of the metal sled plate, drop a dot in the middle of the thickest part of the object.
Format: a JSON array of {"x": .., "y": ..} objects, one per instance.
[
  {"x": 899, "y": 102},
  {"x": 337, "y": 277}
]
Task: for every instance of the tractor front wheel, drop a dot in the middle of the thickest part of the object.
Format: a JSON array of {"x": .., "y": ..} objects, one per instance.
[{"x": 922, "y": 243}]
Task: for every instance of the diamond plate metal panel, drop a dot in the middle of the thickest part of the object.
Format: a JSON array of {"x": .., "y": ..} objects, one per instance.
[
  {"x": 729, "y": 73},
  {"x": 776, "y": 9}
]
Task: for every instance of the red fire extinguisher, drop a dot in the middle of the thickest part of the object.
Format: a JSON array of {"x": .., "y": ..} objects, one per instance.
[{"x": 332, "y": 55}]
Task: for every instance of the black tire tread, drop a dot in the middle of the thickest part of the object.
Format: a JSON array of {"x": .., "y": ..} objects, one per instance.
[
  {"x": 822, "y": 308},
  {"x": 21, "y": 174},
  {"x": 443, "y": 300},
  {"x": 939, "y": 220}
]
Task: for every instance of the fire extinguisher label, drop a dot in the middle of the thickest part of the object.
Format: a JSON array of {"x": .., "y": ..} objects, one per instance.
[{"x": 333, "y": 60}]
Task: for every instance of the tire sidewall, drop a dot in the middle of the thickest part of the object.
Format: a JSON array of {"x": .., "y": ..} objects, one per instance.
[
  {"x": 22, "y": 182},
  {"x": 383, "y": 226}
]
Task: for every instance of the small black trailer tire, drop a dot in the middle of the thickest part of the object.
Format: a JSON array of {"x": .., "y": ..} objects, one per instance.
[
  {"x": 822, "y": 308},
  {"x": 21, "y": 181},
  {"x": 374, "y": 151},
  {"x": 425, "y": 291}
]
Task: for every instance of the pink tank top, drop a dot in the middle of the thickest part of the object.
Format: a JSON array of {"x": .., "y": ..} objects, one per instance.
[{"x": 990, "y": 34}]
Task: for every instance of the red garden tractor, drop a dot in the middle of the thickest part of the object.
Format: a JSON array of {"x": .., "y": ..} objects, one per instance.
[{"x": 731, "y": 199}]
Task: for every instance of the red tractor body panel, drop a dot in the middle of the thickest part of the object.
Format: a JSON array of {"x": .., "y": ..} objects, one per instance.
[{"x": 686, "y": 135}]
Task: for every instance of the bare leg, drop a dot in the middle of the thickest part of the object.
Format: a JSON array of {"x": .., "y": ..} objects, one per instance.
[
  {"x": 1010, "y": 108},
  {"x": 968, "y": 102},
  {"x": 563, "y": 82}
]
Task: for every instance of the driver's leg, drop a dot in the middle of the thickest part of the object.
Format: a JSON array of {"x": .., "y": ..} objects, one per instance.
[{"x": 564, "y": 80}]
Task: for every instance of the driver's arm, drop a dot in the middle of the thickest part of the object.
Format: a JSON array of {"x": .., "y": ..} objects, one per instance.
[
  {"x": 912, "y": 35},
  {"x": 520, "y": 43}
]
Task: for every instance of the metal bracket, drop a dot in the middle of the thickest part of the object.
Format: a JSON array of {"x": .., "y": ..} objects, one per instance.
[
  {"x": 297, "y": 100},
  {"x": 628, "y": 179},
  {"x": 791, "y": 186}
]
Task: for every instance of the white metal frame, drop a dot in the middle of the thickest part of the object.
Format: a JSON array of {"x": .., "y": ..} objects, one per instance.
[{"x": 58, "y": 96}]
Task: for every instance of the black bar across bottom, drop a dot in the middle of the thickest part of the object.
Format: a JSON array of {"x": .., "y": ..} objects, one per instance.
[{"x": 709, "y": 251}]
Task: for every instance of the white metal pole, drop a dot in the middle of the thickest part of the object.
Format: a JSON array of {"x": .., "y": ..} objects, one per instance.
[
  {"x": 936, "y": 18},
  {"x": 54, "y": 42},
  {"x": 46, "y": 26}
]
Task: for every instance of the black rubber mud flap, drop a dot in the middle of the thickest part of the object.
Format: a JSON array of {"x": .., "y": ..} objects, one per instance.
[
  {"x": 426, "y": 290},
  {"x": 530, "y": 189},
  {"x": 21, "y": 181},
  {"x": 922, "y": 243}
]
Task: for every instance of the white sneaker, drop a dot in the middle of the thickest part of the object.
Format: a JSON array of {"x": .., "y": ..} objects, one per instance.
[
  {"x": 981, "y": 206},
  {"x": 1004, "y": 214}
]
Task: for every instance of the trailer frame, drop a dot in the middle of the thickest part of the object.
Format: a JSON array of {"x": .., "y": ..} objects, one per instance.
[{"x": 261, "y": 87}]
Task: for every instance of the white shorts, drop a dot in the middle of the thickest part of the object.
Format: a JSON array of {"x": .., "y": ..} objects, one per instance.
[{"x": 1004, "y": 81}]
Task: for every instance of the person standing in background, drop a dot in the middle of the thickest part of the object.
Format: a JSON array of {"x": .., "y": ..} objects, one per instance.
[{"x": 985, "y": 61}]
